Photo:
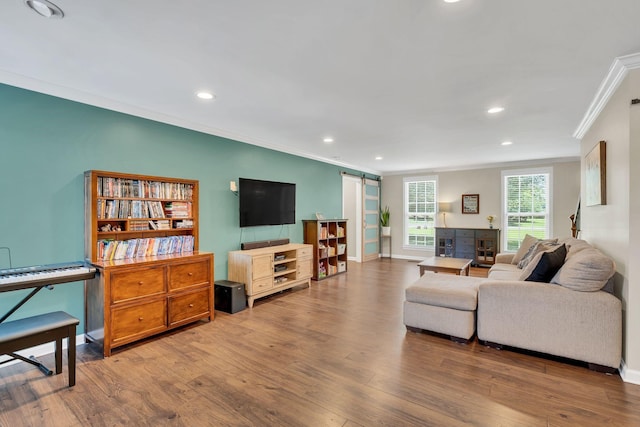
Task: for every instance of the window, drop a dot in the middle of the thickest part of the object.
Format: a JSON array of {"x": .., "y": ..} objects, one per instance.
[
  {"x": 526, "y": 205},
  {"x": 420, "y": 212}
]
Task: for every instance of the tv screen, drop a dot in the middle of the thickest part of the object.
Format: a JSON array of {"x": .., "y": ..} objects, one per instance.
[{"x": 266, "y": 203}]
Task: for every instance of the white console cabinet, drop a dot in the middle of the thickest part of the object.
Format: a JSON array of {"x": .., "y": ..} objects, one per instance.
[{"x": 265, "y": 271}]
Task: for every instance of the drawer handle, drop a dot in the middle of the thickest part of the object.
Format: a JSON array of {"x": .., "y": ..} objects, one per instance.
[
  {"x": 190, "y": 305},
  {"x": 189, "y": 274},
  {"x": 140, "y": 283},
  {"x": 140, "y": 318}
]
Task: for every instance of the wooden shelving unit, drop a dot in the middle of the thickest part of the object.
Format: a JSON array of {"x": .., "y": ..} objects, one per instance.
[
  {"x": 329, "y": 240},
  {"x": 141, "y": 233},
  {"x": 122, "y": 207}
]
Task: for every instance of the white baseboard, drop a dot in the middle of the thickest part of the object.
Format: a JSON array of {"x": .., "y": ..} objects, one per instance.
[
  {"x": 629, "y": 375},
  {"x": 407, "y": 257},
  {"x": 40, "y": 350}
]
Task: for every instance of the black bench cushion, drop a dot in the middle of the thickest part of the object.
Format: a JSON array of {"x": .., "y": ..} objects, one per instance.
[{"x": 21, "y": 328}]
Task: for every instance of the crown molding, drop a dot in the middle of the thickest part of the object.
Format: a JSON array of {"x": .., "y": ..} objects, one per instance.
[
  {"x": 616, "y": 74},
  {"x": 503, "y": 165},
  {"x": 75, "y": 95}
]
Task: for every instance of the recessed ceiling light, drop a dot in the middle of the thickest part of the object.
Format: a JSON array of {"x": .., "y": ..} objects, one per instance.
[
  {"x": 495, "y": 110},
  {"x": 507, "y": 143},
  {"x": 327, "y": 140},
  {"x": 44, "y": 8},
  {"x": 205, "y": 95},
  {"x": 451, "y": 1},
  {"x": 378, "y": 157}
]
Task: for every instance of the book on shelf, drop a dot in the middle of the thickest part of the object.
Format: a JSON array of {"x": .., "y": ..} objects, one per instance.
[
  {"x": 178, "y": 209},
  {"x": 185, "y": 223},
  {"x": 323, "y": 232},
  {"x": 143, "y": 247},
  {"x": 163, "y": 224},
  {"x": 123, "y": 187}
]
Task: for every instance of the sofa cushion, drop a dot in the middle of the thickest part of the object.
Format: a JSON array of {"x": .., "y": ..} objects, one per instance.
[
  {"x": 539, "y": 246},
  {"x": 509, "y": 275},
  {"x": 445, "y": 290},
  {"x": 587, "y": 271},
  {"x": 545, "y": 265},
  {"x": 525, "y": 245},
  {"x": 574, "y": 245}
]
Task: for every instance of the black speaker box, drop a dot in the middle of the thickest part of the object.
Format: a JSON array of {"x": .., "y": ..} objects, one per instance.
[{"x": 229, "y": 296}]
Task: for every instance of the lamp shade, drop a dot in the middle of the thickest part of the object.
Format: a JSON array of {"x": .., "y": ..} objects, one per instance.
[{"x": 444, "y": 207}]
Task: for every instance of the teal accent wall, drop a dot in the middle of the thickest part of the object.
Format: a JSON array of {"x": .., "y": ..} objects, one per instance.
[{"x": 46, "y": 144}]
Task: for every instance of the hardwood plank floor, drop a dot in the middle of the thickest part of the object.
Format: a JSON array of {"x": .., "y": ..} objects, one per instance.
[{"x": 335, "y": 354}]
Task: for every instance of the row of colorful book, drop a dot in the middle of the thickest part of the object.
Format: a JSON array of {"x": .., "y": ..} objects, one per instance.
[
  {"x": 122, "y": 209},
  {"x": 178, "y": 209},
  {"x": 120, "y": 187},
  {"x": 138, "y": 248}
]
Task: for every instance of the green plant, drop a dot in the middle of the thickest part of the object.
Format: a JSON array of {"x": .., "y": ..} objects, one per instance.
[{"x": 384, "y": 217}]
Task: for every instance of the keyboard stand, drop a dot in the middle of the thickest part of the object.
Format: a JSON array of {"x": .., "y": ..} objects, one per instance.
[
  {"x": 31, "y": 360},
  {"x": 23, "y": 301}
]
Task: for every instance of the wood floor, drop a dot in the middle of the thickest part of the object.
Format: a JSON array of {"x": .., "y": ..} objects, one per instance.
[{"x": 335, "y": 354}]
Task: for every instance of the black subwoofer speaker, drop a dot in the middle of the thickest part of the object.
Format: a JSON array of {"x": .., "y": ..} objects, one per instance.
[{"x": 229, "y": 296}]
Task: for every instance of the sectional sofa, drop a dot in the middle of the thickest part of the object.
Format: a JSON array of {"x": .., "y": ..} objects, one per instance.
[{"x": 553, "y": 296}]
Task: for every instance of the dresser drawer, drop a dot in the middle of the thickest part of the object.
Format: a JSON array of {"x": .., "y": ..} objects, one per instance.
[
  {"x": 129, "y": 323},
  {"x": 305, "y": 252},
  {"x": 449, "y": 234},
  {"x": 465, "y": 242},
  {"x": 189, "y": 306},
  {"x": 188, "y": 274},
  {"x": 464, "y": 233},
  {"x": 142, "y": 282},
  {"x": 261, "y": 285},
  {"x": 486, "y": 234}
]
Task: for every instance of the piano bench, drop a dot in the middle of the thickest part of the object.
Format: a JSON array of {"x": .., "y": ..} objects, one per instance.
[{"x": 44, "y": 328}]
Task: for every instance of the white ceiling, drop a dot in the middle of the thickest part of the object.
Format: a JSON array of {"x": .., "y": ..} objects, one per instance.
[{"x": 408, "y": 80}]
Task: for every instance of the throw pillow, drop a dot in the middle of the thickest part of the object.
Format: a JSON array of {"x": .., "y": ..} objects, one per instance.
[
  {"x": 540, "y": 246},
  {"x": 587, "y": 271},
  {"x": 526, "y": 244},
  {"x": 547, "y": 265}
]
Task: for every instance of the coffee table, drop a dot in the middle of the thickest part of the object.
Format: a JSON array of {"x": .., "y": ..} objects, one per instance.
[{"x": 446, "y": 265}]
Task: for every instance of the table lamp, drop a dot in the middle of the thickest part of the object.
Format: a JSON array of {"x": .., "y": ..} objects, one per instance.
[{"x": 444, "y": 207}]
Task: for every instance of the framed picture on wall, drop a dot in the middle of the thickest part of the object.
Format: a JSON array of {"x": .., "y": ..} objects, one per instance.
[
  {"x": 596, "y": 175},
  {"x": 470, "y": 203}
]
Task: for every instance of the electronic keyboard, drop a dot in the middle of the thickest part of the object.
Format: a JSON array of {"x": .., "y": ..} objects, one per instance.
[{"x": 40, "y": 275}]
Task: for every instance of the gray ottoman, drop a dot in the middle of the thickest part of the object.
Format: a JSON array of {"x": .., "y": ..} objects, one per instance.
[{"x": 443, "y": 303}]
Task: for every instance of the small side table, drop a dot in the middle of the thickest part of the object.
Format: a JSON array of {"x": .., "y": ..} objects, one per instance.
[{"x": 382, "y": 239}]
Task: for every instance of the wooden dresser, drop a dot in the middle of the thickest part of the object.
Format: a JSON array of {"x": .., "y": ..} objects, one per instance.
[
  {"x": 127, "y": 301},
  {"x": 479, "y": 244}
]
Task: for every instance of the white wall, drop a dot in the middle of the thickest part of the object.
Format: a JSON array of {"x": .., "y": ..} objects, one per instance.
[
  {"x": 615, "y": 226},
  {"x": 486, "y": 183}
]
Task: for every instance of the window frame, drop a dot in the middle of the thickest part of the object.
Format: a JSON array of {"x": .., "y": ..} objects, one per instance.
[
  {"x": 405, "y": 209},
  {"x": 503, "y": 199}
]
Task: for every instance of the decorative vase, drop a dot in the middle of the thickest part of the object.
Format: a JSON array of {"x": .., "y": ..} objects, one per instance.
[
  {"x": 490, "y": 225},
  {"x": 386, "y": 231}
]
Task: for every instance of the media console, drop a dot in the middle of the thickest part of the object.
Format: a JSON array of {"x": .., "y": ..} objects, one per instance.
[{"x": 267, "y": 270}]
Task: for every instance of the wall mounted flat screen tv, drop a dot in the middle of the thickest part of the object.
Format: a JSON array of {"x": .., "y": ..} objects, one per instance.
[{"x": 266, "y": 202}]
